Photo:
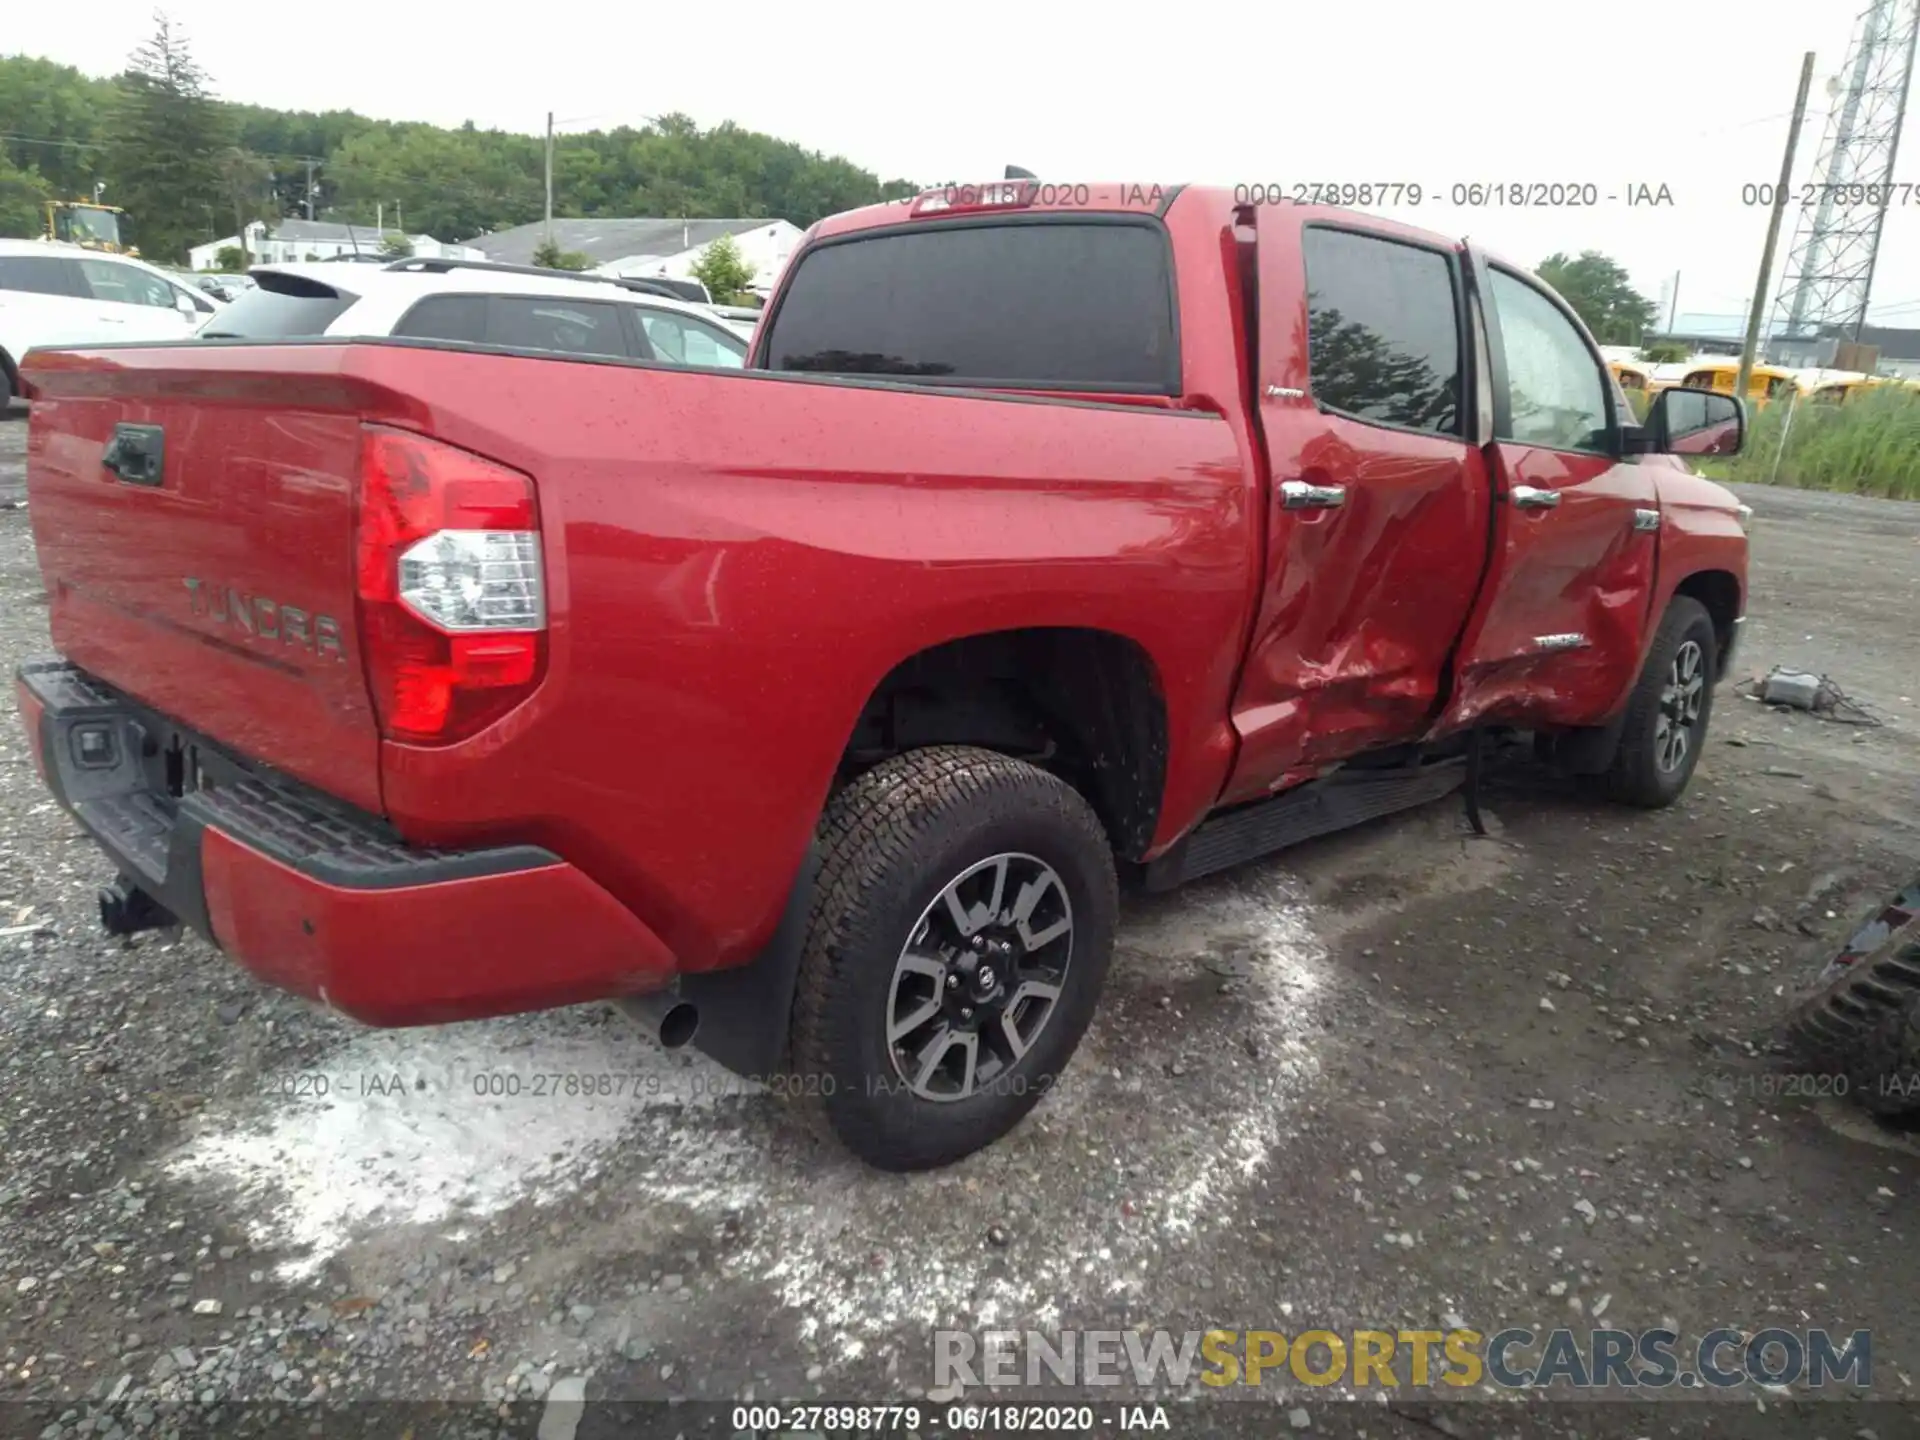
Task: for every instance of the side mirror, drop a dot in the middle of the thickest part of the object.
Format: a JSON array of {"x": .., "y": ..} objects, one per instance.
[
  {"x": 1690, "y": 422},
  {"x": 184, "y": 303}
]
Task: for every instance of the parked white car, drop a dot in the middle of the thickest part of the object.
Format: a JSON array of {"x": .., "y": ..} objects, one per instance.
[
  {"x": 472, "y": 302},
  {"x": 744, "y": 318},
  {"x": 53, "y": 294}
]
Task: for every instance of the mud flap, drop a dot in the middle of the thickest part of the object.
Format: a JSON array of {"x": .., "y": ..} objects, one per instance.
[
  {"x": 744, "y": 1011},
  {"x": 1476, "y": 761},
  {"x": 1587, "y": 751}
]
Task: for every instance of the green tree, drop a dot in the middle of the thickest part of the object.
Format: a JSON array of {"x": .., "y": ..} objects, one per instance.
[
  {"x": 549, "y": 256},
  {"x": 53, "y": 119},
  {"x": 723, "y": 270},
  {"x": 245, "y": 179},
  {"x": 230, "y": 257},
  {"x": 165, "y": 144},
  {"x": 396, "y": 245},
  {"x": 156, "y": 138},
  {"x": 1601, "y": 294},
  {"x": 1664, "y": 352},
  {"x": 23, "y": 198}
]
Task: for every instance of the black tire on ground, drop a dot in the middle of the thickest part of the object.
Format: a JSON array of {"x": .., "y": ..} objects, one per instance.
[
  {"x": 6, "y": 387},
  {"x": 1861, "y": 1030},
  {"x": 1646, "y": 769},
  {"x": 891, "y": 845}
]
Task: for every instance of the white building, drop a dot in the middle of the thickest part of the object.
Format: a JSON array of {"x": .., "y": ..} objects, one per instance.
[
  {"x": 291, "y": 240},
  {"x": 651, "y": 246}
]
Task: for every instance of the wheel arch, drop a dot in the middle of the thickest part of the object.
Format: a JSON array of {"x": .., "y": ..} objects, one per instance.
[
  {"x": 12, "y": 372},
  {"x": 1085, "y": 703},
  {"x": 1719, "y": 592}
]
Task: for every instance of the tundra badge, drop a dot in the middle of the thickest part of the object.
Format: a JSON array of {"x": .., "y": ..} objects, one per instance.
[{"x": 268, "y": 619}]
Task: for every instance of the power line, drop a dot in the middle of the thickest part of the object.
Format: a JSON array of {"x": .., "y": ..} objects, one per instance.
[
  {"x": 42, "y": 140},
  {"x": 275, "y": 157}
]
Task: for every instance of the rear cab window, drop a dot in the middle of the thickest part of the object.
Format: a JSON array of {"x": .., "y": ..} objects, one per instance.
[
  {"x": 280, "y": 307},
  {"x": 1075, "y": 304}
]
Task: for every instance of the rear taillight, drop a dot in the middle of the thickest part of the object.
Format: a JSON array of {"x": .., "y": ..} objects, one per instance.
[{"x": 453, "y": 606}]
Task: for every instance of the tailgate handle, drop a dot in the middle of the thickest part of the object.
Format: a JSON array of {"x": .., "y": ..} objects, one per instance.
[{"x": 137, "y": 454}]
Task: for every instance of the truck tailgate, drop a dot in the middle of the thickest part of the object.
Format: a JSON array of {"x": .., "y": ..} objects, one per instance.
[{"x": 219, "y": 588}]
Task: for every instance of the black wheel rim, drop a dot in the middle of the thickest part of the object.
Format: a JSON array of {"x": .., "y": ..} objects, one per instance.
[
  {"x": 980, "y": 977},
  {"x": 1682, "y": 699}
]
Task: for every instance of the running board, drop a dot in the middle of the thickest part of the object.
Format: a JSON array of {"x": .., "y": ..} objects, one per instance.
[{"x": 1320, "y": 807}]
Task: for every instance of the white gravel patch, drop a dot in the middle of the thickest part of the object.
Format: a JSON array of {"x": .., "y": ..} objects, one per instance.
[
  {"x": 401, "y": 1137},
  {"x": 427, "y": 1126}
]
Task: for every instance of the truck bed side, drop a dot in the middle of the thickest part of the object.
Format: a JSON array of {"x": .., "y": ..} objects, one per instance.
[{"x": 736, "y": 560}]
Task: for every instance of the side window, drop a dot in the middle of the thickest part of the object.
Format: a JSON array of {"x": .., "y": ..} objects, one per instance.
[
  {"x": 568, "y": 326},
  {"x": 1383, "y": 330},
  {"x": 1555, "y": 397},
  {"x": 40, "y": 275},
  {"x": 446, "y": 317},
  {"x": 686, "y": 342},
  {"x": 124, "y": 285}
]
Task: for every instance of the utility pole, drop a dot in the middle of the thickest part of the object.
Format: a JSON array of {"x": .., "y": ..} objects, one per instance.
[
  {"x": 309, "y": 188},
  {"x": 1773, "y": 232},
  {"x": 549, "y": 178},
  {"x": 1673, "y": 302}
]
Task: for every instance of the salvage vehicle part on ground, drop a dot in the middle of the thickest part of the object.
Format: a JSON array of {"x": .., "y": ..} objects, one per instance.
[{"x": 1860, "y": 1025}]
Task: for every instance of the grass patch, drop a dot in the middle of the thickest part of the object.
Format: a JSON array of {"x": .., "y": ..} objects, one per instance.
[{"x": 1868, "y": 446}]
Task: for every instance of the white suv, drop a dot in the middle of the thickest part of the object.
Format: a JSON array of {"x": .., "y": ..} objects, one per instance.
[
  {"x": 53, "y": 294},
  {"x": 513, "y": 307}
]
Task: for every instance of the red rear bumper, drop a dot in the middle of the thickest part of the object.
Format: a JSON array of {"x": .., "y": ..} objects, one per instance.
[{"x": 318, "y": 899}]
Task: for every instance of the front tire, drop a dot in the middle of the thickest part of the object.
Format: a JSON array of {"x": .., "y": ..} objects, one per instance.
[
  {"x": 1668, "y": 712},
  {"x": 961, "y": 930}
]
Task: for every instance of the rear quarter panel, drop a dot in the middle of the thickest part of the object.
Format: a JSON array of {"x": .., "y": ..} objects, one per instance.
[{"x": 735, "y": 562}]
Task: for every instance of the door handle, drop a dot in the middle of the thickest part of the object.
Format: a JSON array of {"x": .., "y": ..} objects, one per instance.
[
  {"x": 1527, "y": 497},
  {"x": 1299, "y": 495}
]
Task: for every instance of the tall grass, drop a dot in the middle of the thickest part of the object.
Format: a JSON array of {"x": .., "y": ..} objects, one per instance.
[{"x": 1868, "y": 446}]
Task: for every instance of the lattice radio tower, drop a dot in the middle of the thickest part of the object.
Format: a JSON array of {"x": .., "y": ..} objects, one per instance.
[{"x": 1836, "y": 238}]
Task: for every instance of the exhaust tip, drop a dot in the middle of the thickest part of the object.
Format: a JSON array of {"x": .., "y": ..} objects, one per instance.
[{"x": 678, "y": 1025}]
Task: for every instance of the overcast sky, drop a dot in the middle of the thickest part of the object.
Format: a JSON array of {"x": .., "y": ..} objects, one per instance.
[{"x": 1679, "y": 95}]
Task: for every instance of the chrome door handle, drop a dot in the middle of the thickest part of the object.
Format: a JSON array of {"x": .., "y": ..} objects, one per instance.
[
  {"x": 1526, "y": 497},
  {"x": 1299, "y": 495}
]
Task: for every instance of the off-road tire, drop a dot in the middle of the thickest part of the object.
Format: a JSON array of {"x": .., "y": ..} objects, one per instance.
[
  {"x": 889, "y": 844},
  {"x": 1635, "y": 776},
  {"x": 1860, "y": 1031}
]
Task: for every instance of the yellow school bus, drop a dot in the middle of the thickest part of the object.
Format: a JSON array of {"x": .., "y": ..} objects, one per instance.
[
  {"x": 1632, "y": 374},
  {"x": 1767, "y": 382}
]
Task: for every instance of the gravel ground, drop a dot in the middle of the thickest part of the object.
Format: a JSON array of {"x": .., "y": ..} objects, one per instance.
[{"x": 1396, "y": 1078}]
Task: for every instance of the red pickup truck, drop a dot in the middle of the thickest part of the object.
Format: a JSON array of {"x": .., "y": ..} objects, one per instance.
[{"x": 820, "y": 709}]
